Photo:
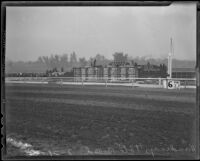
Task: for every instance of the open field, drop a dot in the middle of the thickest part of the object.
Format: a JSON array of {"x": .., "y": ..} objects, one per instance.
[{"x": 70, "y": 120}]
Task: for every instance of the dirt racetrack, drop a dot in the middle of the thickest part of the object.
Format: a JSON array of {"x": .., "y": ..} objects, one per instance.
[{"x": 67, "y": 120}]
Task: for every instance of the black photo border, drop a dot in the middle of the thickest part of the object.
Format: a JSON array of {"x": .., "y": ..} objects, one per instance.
[{"x": 82, "y": 4}]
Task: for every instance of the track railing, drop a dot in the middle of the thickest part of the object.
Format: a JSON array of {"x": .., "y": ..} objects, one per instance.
[{"x": 151, "y": 82}]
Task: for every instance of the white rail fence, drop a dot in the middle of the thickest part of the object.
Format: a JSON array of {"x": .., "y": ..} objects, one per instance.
[{"x": 113, "y": 81}]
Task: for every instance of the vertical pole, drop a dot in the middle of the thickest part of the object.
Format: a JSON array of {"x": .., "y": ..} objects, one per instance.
[
  {"x": 172, "y": 52},
  {"x": 167, "y": 83},
  {"x": 132, "y": 82},
  {"x": 185, "y": 83},
  {"x": 169, "y": 65},
  {"x": 170, "y": 59},
  {"x": 61, "y": 81},
  {"x": 159, "y": 81}
]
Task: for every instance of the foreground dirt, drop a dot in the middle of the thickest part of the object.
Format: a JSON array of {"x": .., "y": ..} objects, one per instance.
[{"x": 94, "y": 120}]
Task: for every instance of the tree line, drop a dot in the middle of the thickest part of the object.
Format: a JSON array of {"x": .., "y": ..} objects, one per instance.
[{"x": 66, "y": 62}]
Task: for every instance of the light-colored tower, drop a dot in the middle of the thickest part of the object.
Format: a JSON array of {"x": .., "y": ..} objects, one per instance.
[
  {"x": 169, "y": 65},
  {"x": 170, "y": 60}
]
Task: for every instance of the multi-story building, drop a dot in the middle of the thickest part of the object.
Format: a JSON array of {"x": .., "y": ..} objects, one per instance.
[
  {"x": 183, "y": 73},
  {"x": 120, "y": 71},
  {"x": 152, "y": 71}
]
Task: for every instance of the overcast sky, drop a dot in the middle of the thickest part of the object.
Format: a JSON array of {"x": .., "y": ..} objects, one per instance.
[{"x": 138, "y": 31}]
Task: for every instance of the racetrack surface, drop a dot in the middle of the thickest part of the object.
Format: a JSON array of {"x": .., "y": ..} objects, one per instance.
[{"x": 71, "y": 119}]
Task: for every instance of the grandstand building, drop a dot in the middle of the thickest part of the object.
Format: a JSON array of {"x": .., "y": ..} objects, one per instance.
[
  {"x": 152, "y": 71},
  {"x": 100, "y": 72},
  {"x": 183, "y": 73},
  {"x": 130, "y": 71},
  {"x": 120, "y": 70}
]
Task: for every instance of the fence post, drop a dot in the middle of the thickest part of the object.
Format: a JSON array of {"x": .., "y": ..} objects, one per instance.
[
  {"x": 106, "y": 82},
  {"x": 132, "y": 82},
  {"x": 185, "y": 83},
  {"x": 82, "y": 81},
  {"x": 61, "y": 82},
  {"x": 159, "y": 81}
]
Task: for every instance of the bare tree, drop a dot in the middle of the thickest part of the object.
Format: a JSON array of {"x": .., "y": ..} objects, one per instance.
[
  {"x": 64, "y": 60},
  {"x": 73, "y": 59},
  {"x": 82, "y": 62}
]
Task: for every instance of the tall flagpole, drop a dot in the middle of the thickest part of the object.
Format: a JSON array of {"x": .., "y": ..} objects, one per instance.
[{"x": 170, "y": 59}]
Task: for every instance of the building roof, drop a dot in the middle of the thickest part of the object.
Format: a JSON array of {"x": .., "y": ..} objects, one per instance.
[{"x": 183, "y": 69}]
